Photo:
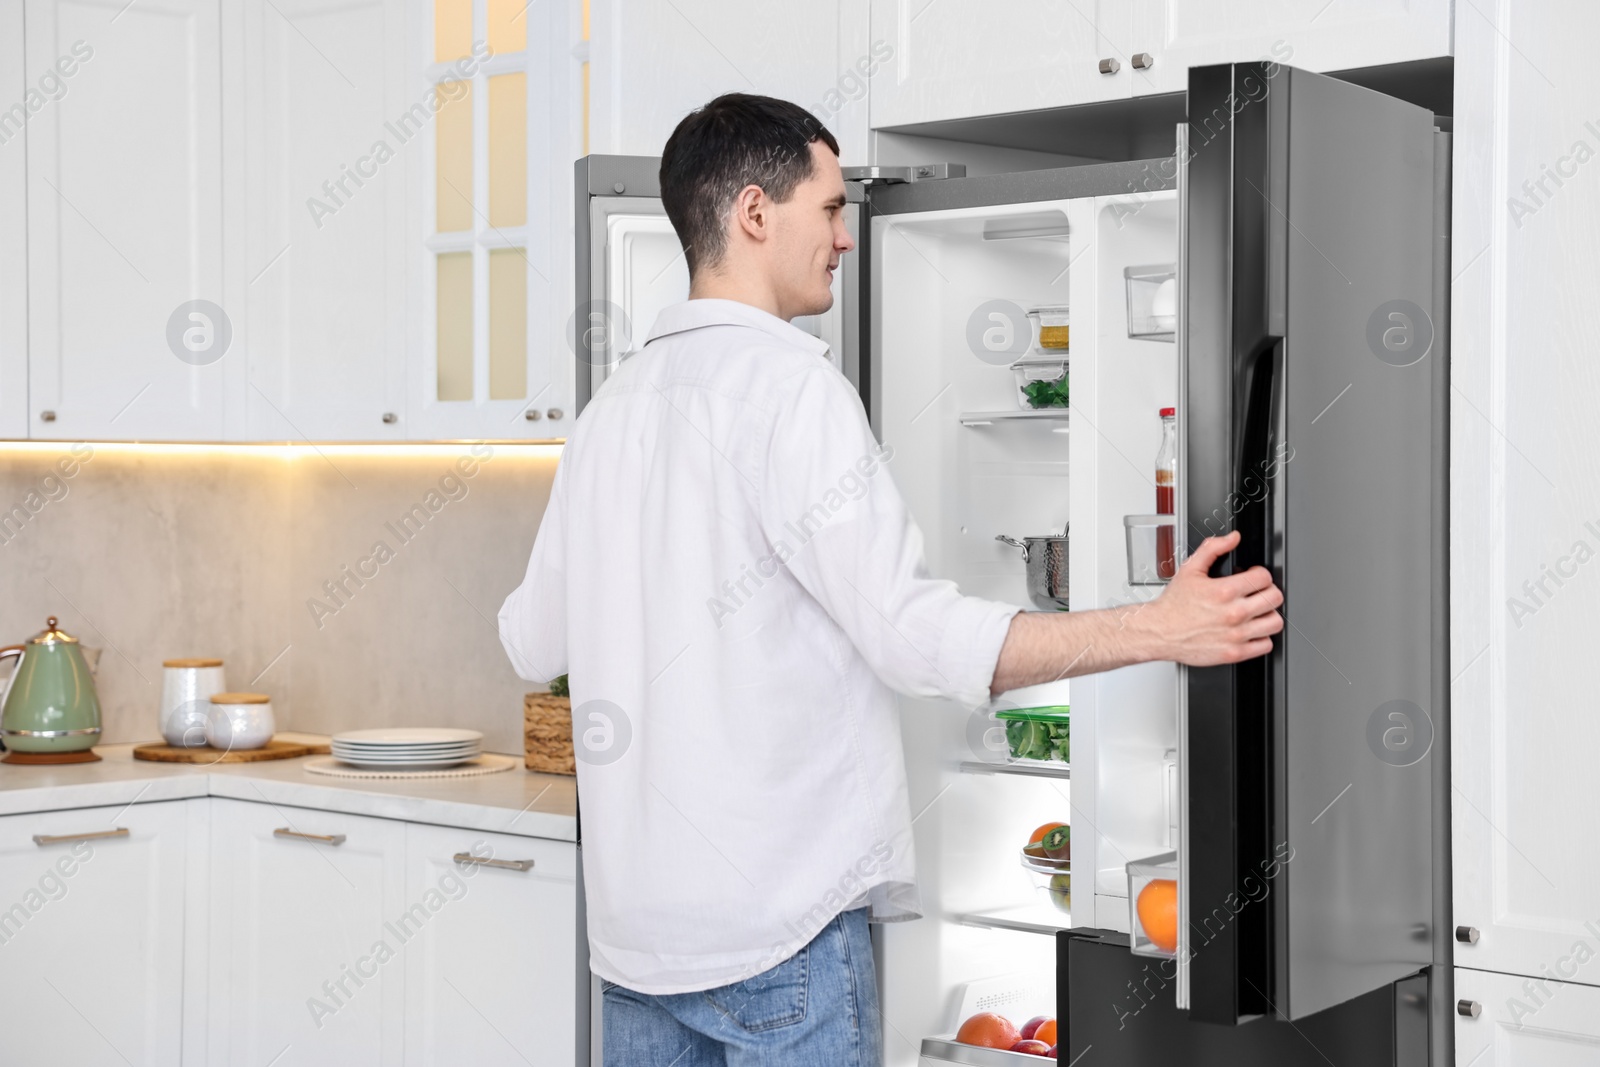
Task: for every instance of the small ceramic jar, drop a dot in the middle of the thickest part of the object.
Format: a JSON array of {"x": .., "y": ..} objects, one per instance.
[
  {"x": 239, "y": 721},
  {"x": 187, "y": 686}
]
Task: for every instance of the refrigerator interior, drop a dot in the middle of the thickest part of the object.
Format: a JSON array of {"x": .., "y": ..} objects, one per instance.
[{"x": 967, "y": 480}]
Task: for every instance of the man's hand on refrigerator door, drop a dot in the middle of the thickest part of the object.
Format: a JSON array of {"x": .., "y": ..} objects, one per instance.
[
  {"x": 1203, "y": 621},
  {"x": 1197, "y": 620}
]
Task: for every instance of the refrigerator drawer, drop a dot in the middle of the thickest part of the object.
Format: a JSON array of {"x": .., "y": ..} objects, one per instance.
[{"x": 1118, "y": 1008}]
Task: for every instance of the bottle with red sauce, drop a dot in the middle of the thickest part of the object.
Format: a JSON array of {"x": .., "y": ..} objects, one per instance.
[{"x": 1167, "y": 493}]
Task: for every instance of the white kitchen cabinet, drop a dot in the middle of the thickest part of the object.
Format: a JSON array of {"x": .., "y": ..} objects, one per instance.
[
  {"x": 962, "y": 58},
  {"x": 308, "y": 936},
  {"x": 654, "y": 63},
  {"x": 319, "y": 281},
  {"x": 124, "y": 193},
  {"x": 1314, "y": 35},
  {"x": 92, "y": 933},
  {"x": 1524, "y": 522},
  {"x": 488, "y": 320},
  {"x": 492, "y": 979},
  {"x": 13, "y": 231},
  {"x": 1527, "y": 1022}
]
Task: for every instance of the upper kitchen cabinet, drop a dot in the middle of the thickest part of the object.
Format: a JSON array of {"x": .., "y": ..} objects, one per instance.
[
  {"x": 654, "y": 63},
  {"x": 126, "y": 336},
  {"x": 491, "y": 284},
  {"x": 13, "y": 231},
  {"x": 1170, "y": 36},
  {"x": 318, "y": 276},
  {"x": 951, "y": 59}
]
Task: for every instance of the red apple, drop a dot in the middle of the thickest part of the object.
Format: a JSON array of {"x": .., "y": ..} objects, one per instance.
[
  {"x": 1031, "y": 1027},
  {"x": 1032, "y": 1048},
  {"x": 1051, "y": 1054}
]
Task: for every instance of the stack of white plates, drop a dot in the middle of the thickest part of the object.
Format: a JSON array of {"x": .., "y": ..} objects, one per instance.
[{"x": 407, "y": 747}]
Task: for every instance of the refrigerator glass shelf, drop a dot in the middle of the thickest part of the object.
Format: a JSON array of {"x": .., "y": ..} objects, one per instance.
[
  {"x": 949, "y": 1050},
  {"x": 1026, "y": 918},
  {"x": 985, "y": 418},
  {"x": 1032, "y": 768}
]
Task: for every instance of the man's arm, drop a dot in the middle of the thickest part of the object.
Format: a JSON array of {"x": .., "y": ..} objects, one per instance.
[{"x": 1197, "y": 620}]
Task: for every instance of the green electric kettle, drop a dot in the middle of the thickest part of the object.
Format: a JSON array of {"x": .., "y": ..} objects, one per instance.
[{"x": 51, "y": 713}]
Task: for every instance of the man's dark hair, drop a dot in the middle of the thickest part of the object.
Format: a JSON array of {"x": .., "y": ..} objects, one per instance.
[{"x": 736, "y": 140}]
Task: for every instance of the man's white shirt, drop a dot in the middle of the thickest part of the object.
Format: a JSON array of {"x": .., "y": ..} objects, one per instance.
[{"x": 733, "y": 582}]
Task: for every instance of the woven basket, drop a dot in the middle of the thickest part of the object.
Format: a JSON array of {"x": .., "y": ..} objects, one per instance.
[{"x": 547, "y": 733}]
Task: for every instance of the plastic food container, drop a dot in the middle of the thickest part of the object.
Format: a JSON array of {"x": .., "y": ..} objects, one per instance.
[
  {"x": 1038, "y": 733},
  {"x": 1153, "y": 905},
  {"x": 1144, "y": 542},
  {"x": 1041, "y": 382},
  {"x": 1152, "y": 302},
  {"x": 1051, "y": 328}
]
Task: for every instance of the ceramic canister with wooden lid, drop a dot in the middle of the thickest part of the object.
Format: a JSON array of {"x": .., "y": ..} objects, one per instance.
[
  {"x": 187, "y": 686},
  {"x": 240, "y": 721}
]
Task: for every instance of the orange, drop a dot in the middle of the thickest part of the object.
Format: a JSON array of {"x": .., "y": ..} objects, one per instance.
[
  {"x": 1158, "y": 913},
  {"x": 1037, "y": 836},
  {"x": 1046, "y": 1032},
  {"x": 988, "y": 1030}
]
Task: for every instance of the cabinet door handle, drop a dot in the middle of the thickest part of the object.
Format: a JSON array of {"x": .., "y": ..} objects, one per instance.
[
  {"x": 1468, "y": 1009},
  {"x": 323, "y": 839},
  {"x": 1110, "y": 66},
  {"x": 507, "y": 865},
  {"x": 390, "y": 418},
  {"x": 1467, "y": 935},
  {"x": 62, "y": 839},
  {"x": 47, "y": 416},
  {"x": 1142, "y": 60}
]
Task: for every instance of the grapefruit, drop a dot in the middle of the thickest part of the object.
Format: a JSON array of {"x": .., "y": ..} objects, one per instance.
[
  {"x": 988, "y": 1030},
  {"x": 1158, "y": 913}
]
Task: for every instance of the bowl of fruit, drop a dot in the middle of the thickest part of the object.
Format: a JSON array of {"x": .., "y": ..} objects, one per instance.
[{"x": 1048, "y": 858}]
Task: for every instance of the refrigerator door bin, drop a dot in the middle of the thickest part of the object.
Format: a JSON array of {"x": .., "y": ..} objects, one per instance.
[
  {"x": 1153, "y": 906},
  {"x": 1152, "y": 302},
  {"x": 1150, "y": 540}
]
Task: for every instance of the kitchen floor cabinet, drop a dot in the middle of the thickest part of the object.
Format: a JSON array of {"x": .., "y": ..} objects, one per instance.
[
  {"x": 1524, "y": 527},
  {"x": 124, "y": 195},
  {"x": 92, "y": 933},
  {"x": 1523, "y": 1022},
  {"x": 309, "y": 924},
  {"x": 493, "y": 978}
]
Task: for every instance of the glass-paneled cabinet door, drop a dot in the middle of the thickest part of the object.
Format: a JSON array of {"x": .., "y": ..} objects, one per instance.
[{"x": 500, "y": 83}]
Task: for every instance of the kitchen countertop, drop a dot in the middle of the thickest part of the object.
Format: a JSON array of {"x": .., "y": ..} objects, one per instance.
[{"x": 517, "y": 801}]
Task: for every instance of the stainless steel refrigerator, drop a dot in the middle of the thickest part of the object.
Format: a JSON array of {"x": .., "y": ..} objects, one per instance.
[{"x": 1306, "y": 824}]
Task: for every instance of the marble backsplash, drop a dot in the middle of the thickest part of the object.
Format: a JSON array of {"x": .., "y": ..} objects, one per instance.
[{"x": 358, "y": 585}]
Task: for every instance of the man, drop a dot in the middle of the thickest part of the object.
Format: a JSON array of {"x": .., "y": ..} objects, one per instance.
[{"x": 738, "y": 590}]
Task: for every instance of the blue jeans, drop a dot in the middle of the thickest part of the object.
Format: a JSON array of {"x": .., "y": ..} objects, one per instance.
[{"x": 819, "y": 1008}]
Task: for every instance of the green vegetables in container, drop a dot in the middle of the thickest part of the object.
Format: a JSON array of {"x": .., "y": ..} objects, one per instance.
[
  {"x": 1038, "y": 733},
  {"x": 1048, "y": 394}
]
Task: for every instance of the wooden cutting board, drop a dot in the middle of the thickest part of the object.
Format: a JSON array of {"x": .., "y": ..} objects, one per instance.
[{"x": 274, "y": 749}]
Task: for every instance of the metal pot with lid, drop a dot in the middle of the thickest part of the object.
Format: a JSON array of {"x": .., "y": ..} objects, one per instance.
[
  {"x": 50, "y": 712},
  {"x": 1046, "y": 560}
]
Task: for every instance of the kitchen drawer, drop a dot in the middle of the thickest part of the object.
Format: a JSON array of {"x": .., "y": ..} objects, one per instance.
[{"x": 492, "y": 977}]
